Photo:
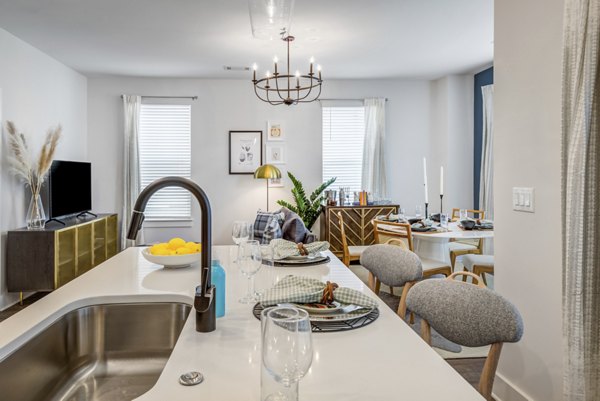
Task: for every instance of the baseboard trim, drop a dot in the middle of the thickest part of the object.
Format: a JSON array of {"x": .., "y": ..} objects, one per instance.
[{"x": 504, "y": 390}]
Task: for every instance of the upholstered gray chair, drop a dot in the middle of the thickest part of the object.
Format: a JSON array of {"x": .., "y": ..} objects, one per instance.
[
  {"x": 394, "y": 266},
  {"x": 469, "y": 315}
]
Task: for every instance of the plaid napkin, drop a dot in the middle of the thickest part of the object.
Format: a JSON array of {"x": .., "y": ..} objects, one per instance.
[
  {"x": 283, "y": 248},
  {"x": 304, "y": 290}
]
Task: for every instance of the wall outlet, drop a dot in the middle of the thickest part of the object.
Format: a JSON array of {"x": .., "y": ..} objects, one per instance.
[{"x": 523, "y": 199}]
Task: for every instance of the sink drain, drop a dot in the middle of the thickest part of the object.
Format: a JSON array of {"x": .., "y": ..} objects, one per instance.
[{"x": 191, "y": 378}]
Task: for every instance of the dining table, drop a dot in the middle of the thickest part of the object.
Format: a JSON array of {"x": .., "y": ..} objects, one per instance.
[
  {"x": 435, "y": 244},
  {"x": 382, "y": 361}
]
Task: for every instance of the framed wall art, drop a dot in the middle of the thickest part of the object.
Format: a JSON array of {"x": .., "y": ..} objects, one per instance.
[
  {"x": 275, "y": 153},
  {"x": 275, "y": 131},
  {"x": 245, "y": 151}
]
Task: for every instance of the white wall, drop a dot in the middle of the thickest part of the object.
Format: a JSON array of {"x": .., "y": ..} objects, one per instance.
[
  {"x": 527, "y": 152},
  {"x": 225, "y": 105},
  {"x": 38, "y": 92}
]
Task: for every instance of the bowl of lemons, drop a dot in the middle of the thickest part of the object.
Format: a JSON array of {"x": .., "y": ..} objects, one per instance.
[{"x": 174, "y": 254}]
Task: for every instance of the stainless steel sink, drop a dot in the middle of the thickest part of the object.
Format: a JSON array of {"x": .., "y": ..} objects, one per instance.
[{"x": 106, "y": 352}]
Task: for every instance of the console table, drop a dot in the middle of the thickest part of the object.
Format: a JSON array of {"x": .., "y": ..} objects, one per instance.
[
  {"x": 43, "y": 260},
  {"x": 357, "y": 222}
]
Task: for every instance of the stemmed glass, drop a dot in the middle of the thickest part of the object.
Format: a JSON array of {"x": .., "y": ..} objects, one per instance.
[
  {"x": 249, "y": 261},
  {"x": 418, "y": 211},
  {"x": 240, "y": 232},
  {"x": 463, "y": 214},
  {"x": 287, "y": 349}
]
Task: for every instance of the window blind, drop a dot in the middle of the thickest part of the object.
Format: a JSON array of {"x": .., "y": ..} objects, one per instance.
[
  {"x": 343, "y": 141},
  {"x": 164, "y": 150}
]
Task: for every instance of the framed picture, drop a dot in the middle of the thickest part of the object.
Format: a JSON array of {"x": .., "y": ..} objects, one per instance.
[
  {"x": 275, "y": 153},
  {"x": 245, "y": 151},
  {"x": 275, "y": 131}
]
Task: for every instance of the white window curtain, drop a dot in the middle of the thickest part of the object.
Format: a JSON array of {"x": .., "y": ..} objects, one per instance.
[
  {"x": 581, "y": 200},
  {"x": 131, "y": 166},
  {"x": 486, "y": 180},
  {"x": 373, "y": 171}
]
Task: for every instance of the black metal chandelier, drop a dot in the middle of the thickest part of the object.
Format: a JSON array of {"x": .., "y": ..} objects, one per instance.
[{"x": 285, "y": 88}]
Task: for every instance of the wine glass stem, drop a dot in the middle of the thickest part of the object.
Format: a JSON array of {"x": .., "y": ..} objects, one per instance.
[{"x": 250, "y": 286}]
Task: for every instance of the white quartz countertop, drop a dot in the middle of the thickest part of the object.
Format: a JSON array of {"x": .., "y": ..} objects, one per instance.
[{"x": 383, "y": 361}]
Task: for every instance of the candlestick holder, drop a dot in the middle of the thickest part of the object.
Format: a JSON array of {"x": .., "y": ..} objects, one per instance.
[
  {"x": 441, "y": 204},
  {"x": 426, "y": 210}
]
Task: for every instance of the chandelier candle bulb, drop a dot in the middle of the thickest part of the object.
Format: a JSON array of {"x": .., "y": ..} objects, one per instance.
[
  {"x": 319, "y": 69},
  {"x": 275, "y": 60},
  {"x": 312, "y": 61},
  {"x": 254, "y": 67}
]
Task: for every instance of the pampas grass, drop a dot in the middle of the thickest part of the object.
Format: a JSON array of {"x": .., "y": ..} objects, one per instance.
[{"x": 33, "y": 173}]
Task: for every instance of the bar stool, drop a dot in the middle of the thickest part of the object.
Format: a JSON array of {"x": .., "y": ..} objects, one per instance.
[{"x": 468, "y": 315}]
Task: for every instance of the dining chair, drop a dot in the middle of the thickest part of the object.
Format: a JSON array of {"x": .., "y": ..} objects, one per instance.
[
  {"x": 352, "y": 252},
  {"x": 480, "y": 265},
  {"x": 476, "y": 214},
  {"x": 468, "y": 315},
  {"x": 465, "y": 246},
  {"x": 385, "y": 231},
  {"x": 394, "y": 266}
]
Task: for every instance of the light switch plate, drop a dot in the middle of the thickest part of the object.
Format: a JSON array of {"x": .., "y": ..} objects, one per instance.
[{"x": 523, "y": 199}]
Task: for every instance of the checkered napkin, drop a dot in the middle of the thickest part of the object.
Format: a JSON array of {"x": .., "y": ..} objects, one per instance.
[
  {"x": 304, "y": 290},
  {"x": 283, "y": 248}
]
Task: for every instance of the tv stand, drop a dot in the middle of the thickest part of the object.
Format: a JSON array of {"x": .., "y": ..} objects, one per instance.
[
  {"x": 84, "y": 213},
  {"x": 56, "y": 220}
]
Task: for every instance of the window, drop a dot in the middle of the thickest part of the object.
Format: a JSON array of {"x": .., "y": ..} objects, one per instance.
[
  {"x": 343, "y": 137},
  {"x": 164, "y": 150}
]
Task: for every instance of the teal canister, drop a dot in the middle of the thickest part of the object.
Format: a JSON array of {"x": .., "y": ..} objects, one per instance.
[{"x": 218, "y": 280}]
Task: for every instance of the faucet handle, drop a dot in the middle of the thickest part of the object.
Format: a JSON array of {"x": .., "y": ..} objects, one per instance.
[{"x": 203, "y": 299}]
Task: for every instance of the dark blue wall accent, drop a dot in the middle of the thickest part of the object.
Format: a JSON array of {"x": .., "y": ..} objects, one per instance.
[{"x": 485, "y": 77}]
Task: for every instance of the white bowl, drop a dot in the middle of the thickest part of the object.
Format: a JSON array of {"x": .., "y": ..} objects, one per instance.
[{"x": 172, "y": 262}]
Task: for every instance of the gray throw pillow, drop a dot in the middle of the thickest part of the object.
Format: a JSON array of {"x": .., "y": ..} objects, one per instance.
[{"x": 293, "y": 227}]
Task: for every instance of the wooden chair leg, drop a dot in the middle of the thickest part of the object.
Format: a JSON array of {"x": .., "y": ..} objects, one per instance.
[
  {"x": 402, "y": 305},
  {"x": 425, "y": 331},
  {"x": 452, "y": 259},
  {"x": 486, "y": 382},
  {"x": 464, "y": 278},
  {"x": 377, "y": 286},
  {"x": 412, "y": 318},
  {"x": 373, "y": 283},
  {"x": 392, "y": 290}
]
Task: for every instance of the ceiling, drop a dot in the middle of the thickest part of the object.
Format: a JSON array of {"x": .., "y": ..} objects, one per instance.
[{"x": 196, "y": 38}]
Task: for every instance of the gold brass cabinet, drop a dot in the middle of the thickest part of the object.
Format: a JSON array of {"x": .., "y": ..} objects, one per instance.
[
  {"x": 43, "y": 260},
  {"x": 357, "y": 222}
]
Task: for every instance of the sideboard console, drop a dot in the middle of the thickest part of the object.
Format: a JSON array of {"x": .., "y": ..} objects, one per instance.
[{"x": 43, "y": 260}]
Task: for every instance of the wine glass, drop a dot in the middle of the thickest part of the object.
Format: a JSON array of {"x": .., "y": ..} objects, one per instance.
[
  {"x": 249, "y": 261},
  {"x": 418, "y": 211},
  {"x": 401, "y": 214},
  {"x": 240, "y": 231},
  {"x": 463, "y": 214},
  {"x": 287, "y": 349}
]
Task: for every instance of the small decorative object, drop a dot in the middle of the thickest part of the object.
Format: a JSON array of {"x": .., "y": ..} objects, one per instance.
[
  {"x": 245, "y": 151},
  {"x": 275, "y": 131},
  {"x": 32, "y": 172},
  {"x": 275, "y": 154},
  {"x": 308, "y": 208}
]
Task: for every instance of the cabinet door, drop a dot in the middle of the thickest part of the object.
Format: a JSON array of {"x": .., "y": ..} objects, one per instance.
[
  {"x": 99, "y": 227},
  {"x": 84, "y": 248},
  {"x": 66, "y": 267},
  {"x": 112, "y": 242}
]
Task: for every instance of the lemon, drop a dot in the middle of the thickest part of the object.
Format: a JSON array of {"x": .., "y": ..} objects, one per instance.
[
  {"x": 184, "y": 251},
  {"x": 196, "y": 248},
  {"x": 175, "y": 243},
  {"x": 156, "y": 249},
  {"x": 160, "y": 252}
]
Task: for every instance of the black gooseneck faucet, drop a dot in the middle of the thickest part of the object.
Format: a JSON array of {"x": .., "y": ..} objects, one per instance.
[{"x": 205, "y": 292}]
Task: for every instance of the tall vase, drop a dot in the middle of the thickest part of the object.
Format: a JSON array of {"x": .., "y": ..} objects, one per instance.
[{"x": 36, "y": 217}]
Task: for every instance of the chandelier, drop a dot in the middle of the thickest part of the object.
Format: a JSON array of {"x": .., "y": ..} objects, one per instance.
[{"x": 285, "y": 88}]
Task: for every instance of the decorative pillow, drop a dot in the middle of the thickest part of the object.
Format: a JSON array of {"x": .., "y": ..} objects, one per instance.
[
  {"x": 293, "y": 227},
  {"x": 267, "y": 226}
]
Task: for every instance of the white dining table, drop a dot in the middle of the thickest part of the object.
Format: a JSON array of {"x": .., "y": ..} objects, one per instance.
[{"x": 436, "y": 245}]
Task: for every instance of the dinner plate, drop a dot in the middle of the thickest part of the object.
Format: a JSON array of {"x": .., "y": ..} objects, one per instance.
[
  {"x": 348, "y": 312},
  {"x": 303, "y": 257},
  {"x": 320, "y": 309}
]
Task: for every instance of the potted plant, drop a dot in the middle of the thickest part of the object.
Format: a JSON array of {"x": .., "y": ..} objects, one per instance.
[{"x": 308, "y": 208}]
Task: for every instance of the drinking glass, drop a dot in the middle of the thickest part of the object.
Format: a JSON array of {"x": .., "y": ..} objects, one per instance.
[
  {"x": 418, "y": 212},
  {"x": 287, "y": 349},
  {"x": 463, "y": 214},
  {"x": 240, "y": 232},
  {"x": 401, "y": 214},
  {"x": 249, "y": 261},
  {"x": 443, "y": 220}
]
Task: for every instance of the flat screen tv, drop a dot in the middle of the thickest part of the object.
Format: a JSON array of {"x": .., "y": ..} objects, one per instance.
[{"x": 69, "y": 188}]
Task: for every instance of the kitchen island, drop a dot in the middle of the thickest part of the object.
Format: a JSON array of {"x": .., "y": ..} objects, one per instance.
[{"x": 385, "y": 360}]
